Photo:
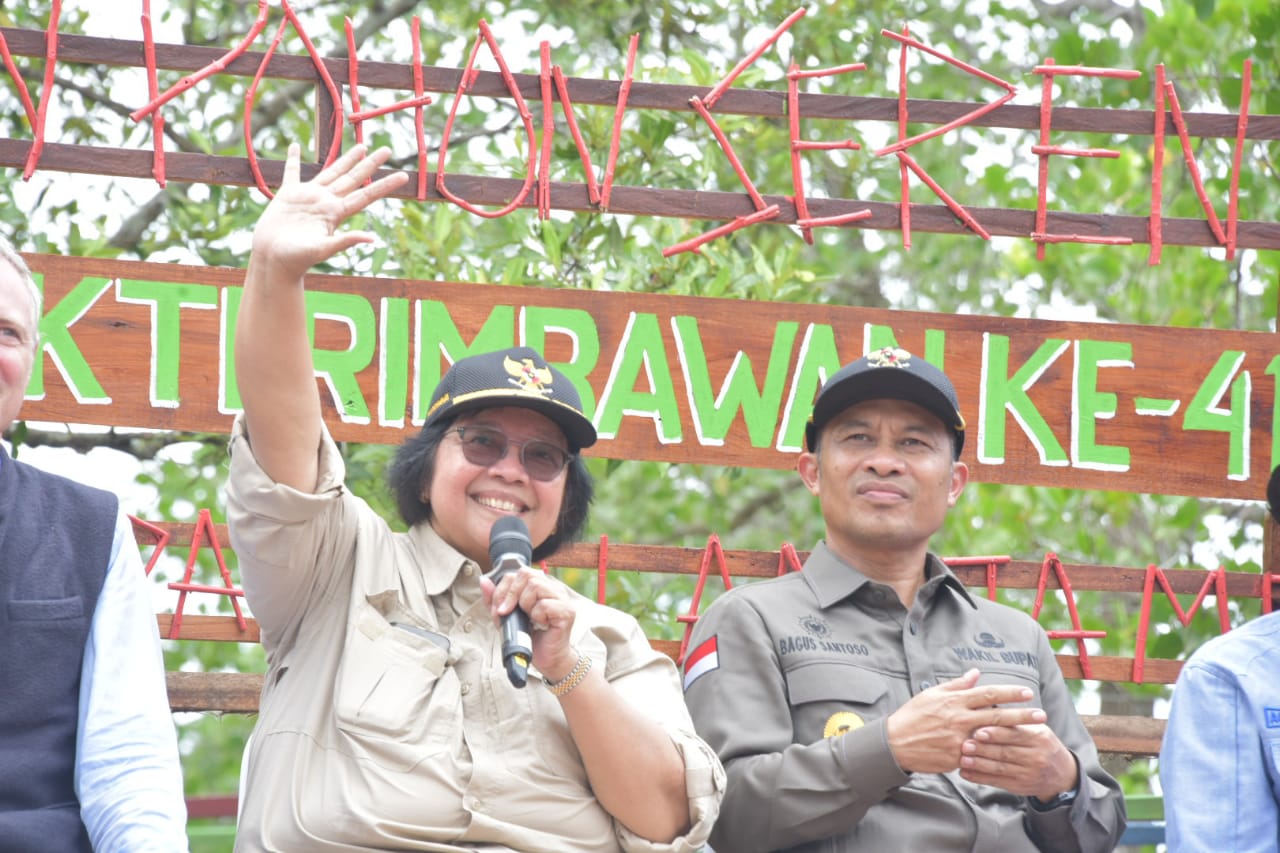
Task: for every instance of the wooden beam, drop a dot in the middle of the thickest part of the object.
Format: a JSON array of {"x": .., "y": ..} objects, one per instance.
[
  {"x": 583, "y": 91},
  {"x": 237, "y": 693}
]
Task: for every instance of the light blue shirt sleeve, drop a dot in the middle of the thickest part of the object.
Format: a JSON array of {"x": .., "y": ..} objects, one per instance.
[
  {"x": 1221, "y": 750},
  {"x": 128, "y": 775}
]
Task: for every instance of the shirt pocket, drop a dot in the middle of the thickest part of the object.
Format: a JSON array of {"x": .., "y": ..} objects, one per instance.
[
  {"x": 45, "y": 609},
  {"x": 1006, "y": 676},
  {"x": 828, "y": 698},
  {"x": 396, "y": 698}
]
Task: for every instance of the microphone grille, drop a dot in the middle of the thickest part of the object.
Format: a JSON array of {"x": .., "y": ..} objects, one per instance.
[{"x": 509, "y": 534}]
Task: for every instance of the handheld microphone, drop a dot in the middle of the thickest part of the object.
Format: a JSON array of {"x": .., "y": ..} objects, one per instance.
[{"x": 509, "y": 551}]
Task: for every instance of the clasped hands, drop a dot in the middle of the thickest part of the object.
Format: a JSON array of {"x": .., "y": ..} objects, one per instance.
[{"x": 958, "y": 725}]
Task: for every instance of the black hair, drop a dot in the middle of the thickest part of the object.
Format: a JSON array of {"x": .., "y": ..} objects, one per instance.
[
  {"x": 1273, "y": 494},
  {"x": 414, "y": 466}
]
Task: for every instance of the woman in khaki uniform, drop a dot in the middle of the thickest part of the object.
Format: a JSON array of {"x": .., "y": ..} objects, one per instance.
[{"x": 387, "y": 719}]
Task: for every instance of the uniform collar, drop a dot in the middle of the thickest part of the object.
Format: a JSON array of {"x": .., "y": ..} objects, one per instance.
[
  {"x": 440, "y": 562},
  {"x": 833, "y": 580}
]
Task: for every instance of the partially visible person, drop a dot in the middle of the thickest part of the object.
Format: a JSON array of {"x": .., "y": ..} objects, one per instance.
[
  {"x": 870, "y": 703},
  {"x": 88, "y": 750},
  {"x": 388, "y": 721},
  {"x": 1220, "y": 759}
]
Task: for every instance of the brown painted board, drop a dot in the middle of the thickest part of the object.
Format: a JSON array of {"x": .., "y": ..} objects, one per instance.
[{"x": 682, "y": 379}]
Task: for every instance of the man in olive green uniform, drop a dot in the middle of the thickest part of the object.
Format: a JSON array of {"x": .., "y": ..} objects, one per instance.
[{"x": 869, "y": 702}]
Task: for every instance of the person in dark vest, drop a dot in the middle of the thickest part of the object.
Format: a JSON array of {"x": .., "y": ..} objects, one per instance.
[{"x": 88, "y": 751}]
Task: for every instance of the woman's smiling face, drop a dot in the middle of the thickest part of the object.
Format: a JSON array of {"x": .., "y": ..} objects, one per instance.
[{"x": 466, "y": 499}]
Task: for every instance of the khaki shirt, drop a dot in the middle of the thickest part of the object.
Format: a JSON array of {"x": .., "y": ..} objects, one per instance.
[
  {"x": 805, "y": 670},
  {"x": 387, "y": 721}
]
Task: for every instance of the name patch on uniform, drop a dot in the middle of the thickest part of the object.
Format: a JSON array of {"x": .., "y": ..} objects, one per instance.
[
  {"x": 701, "y": 660},
  {"x": 801, "y": 643},
  {"x": 1272, "y": 716},
  {"x": 971, "y": 654}
]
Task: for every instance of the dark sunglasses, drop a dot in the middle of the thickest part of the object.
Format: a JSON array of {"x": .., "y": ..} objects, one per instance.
[{"x": 484, "y": 446}]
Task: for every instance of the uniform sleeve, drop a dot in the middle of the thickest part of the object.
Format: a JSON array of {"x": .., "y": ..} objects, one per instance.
[
  {"x": 704, "y": 787},
  {"x": 649, "y": 680},
  {"x": 1212, "y": 764},
  {"x": 292, "y": 546},
  {"x": 779, "y": 793},
  {"x": 128, "y": 776},
  {"x": 1094, "y": 821}
]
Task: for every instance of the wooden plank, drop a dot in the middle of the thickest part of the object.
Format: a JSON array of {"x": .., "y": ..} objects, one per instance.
[
  {"x": 186, "y": 360},
  {"x": 1101, "y": 667},
  {"x": 744, "y": 564},
  {"x": 224, "y": 692},
  {"x": 212, "y": 806},
  {"x": 237, "y": 693},
  {"x": 583, "y": 91},
  {"x": 209, "y": 628},
  {"x": 1126, "y": 735},
  {"x": 702, "y": 204}
]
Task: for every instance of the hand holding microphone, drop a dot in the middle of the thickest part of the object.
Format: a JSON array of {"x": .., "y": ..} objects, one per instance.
[{"x": 510, "y": 551}]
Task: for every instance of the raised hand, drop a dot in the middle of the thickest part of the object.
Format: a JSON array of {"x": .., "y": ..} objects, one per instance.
[
  {"x": 301, "y": 225},
  {"x": 274, "y": 370},
  {"x": 927, "y": 734}
]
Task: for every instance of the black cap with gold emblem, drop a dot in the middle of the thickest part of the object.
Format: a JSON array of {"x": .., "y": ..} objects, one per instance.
[
  {"x": 892, "y": 373},
  {"x": 520, "y": 377}
]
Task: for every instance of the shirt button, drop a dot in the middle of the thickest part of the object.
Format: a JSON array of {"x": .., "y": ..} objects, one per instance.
[
  {"x": 468, "y": 571},
  {"x": 466, "y": 625},
  {"x": 914, "y": 628},
  {"x": 926, "y": 684},
  {"x": 466, "y": 688}
]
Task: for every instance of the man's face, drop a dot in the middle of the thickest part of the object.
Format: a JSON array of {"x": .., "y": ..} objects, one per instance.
[
  {"x": 885, "y": 476},
  {"x": 17, "y": 343}
]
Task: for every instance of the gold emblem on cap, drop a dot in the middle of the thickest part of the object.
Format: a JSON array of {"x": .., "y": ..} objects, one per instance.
[
  {"x": 889, "y": 357},
  {"x": 528, "y": 376},
  {"x": 841, "y": 722}
]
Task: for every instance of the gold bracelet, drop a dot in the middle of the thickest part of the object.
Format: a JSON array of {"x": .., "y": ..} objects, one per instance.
[{"x": 580, "y": 669}]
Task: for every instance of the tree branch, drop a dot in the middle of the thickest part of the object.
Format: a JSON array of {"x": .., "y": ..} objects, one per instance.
[
  {"x": 140, "y": 445},
  {"x": 267, "y": 113}
]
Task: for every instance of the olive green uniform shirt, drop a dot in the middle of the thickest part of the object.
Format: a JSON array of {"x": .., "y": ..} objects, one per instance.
[
  {"x": 387, "y": 720},
  {"x": 791, "y": 681}
]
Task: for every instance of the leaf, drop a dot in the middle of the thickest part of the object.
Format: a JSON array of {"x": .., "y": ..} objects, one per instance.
[{"x": 551, "y": 241}]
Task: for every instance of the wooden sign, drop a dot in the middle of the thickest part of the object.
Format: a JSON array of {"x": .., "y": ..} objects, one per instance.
[{"x": 685, "y": 379}]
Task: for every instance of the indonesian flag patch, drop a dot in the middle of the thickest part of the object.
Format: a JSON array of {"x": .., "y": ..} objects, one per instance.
[{"x": 700, "y": 661}]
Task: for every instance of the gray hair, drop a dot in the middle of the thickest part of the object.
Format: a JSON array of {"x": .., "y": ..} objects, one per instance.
[{"x": 10, "y": 255}]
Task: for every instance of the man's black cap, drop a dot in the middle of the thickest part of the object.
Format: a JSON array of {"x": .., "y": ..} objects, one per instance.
[
  {"x": 890, "y": 373},
  {"x": 518, "y": 376}
]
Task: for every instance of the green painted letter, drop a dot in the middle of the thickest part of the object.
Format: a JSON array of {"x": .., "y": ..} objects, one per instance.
[
  {"x": 580, "y": 327},
  {"x": 1000, "y": 391},
  {"x": 713, "y": 414},
  {"x": 640, "y": 350},
  {"x": 1091, "y": 404},
  {"x": 167, "y": 299}
]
